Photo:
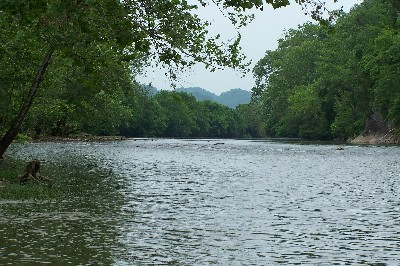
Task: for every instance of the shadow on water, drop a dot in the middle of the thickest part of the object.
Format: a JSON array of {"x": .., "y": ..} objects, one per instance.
[{"x": 75, "y": 228}]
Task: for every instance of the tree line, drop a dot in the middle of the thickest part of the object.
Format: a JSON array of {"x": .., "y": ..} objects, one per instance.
[
  {"x": 135, "y": 112},
  {"x": 66, "y": 65},
  {"x": 71, "y": 57},
  {"x": 325, "y": 83}
]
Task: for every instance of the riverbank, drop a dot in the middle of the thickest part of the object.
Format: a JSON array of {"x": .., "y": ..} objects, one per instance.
[
  {"x": 8, "y": 171},
  {"x": 85, "y": 137},
  {"x": 376, "y": 139},
  {"x": 377, "y": 131},
  {"x": 12, "y": 189}
]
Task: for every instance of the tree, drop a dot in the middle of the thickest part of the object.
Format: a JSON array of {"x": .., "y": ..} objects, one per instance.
[
  {"x": 54, "y": 30},
  {"x": 178, "y": 109},
  {"x": 218, "y": 118},
  {"x": 345, "y": 74},
  {"x": 167, "y": 30},
  {"x": 305, "y": 118},
  {"x": 251, "y": 119},
  {"x": 321, "y": 83},
  {"x": 383, "y": 64},
  {"x": 347, "y": 121},
  {"x": 73, "y": 101},
  {"x": 148, "y": 119},
  {"x": 280, "y": 73}
]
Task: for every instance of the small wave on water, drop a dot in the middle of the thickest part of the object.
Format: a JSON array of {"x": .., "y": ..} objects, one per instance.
[{"x": 225, "y": 202}]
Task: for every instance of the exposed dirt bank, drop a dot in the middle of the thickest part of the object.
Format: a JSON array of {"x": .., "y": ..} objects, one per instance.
[
  {"x": 377, "y": 131},
  {"x": 376, "y": 139}
]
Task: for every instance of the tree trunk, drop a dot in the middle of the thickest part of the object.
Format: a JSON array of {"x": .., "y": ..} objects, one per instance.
[
  {"x": 32, "y": 173},
  {"x": 15, "y": 126}
]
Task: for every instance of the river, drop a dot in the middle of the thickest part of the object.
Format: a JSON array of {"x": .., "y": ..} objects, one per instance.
[{"x": 208, "y": 202}]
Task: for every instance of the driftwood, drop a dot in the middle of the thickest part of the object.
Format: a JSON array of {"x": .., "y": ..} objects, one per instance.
[{"x": 32, "y": 173}]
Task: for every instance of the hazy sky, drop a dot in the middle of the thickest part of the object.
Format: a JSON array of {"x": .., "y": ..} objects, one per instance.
[{"x": 261, "y": 35}]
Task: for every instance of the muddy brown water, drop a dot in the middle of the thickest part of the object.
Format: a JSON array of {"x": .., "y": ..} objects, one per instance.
[{"x": 207, "y": 202}]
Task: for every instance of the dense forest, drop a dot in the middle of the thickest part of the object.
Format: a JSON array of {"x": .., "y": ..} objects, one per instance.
[
  {"x": 133, "y": 111},
  {"x": 322, "y": 82},
  {"x": 69, "y": 66},
  {"x": 329, "y": 83}
]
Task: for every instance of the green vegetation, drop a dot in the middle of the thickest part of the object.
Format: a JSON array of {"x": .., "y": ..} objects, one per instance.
[
  {"x": 323, "y": 83},
  {"x": 78, "y": 177},
  {"x": 234, "y": 97},
  {"x": 37, "y": 191},
  {"x": 11, "y": 188},
  {"x": 76, "y": 59},
  {"x": 179, "y": 114},
  {"x": 68, "y": 67}
]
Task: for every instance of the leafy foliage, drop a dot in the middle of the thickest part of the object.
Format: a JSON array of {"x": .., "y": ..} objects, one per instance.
[
  {"x": 86, "y": 44},
  {"x": 323, "y": 84},
  {"x": 67, "y": 65}
]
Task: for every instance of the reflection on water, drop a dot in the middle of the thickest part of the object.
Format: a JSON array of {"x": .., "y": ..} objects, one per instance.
[
  {"x": 209, "y": 202},
  {"x": 76, "y": 229}
]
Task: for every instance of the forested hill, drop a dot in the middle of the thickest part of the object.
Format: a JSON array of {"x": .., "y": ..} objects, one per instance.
[
  {"x": 200, "y": 94},
  {"x": 234, "y": 97},
  {"x": 231, "y": 98},
  {"x": 323, "y": 84}
]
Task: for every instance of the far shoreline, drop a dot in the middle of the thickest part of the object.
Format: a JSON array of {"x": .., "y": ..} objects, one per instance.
[{"x": 372, "y": 139}]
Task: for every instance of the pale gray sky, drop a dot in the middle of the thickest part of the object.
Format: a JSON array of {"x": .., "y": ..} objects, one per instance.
[{"x": 261, "y": 35}]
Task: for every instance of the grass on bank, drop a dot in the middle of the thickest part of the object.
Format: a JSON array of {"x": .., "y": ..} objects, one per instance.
[{"x": 12, "y": 189}]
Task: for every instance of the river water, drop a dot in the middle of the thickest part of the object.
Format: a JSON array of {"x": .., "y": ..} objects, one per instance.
[{"x": 208, "y": 202}]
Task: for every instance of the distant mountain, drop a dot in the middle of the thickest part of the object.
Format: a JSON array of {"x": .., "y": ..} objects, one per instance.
[
  {"x": 234, "y": 97},
  {"x": 150, "y": 89},
  {"x": 230, "y": 98},
  {"x": 200, "y": 94}
]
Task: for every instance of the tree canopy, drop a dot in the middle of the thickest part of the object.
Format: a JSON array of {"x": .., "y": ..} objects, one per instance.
[
  {"x": 77, "y": 56},
  {"x": 323, "y": 84}
]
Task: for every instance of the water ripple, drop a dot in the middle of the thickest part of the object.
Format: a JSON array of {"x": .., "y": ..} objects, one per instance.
[{"x": 237, "y": 203}]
